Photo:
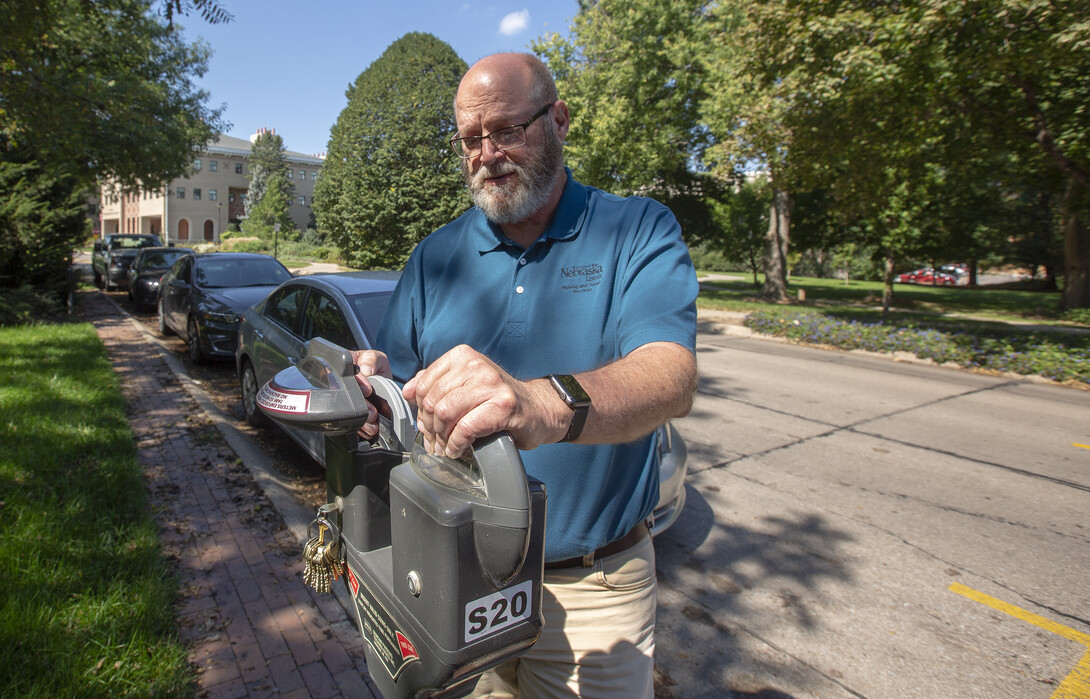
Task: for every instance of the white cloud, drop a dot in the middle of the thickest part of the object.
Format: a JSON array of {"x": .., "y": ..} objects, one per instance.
[{"x": 515, "y": 22}]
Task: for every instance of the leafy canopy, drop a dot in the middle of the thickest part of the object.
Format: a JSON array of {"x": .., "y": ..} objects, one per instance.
[
  {"x": 102, "y": 88},
  {"x": 270, "y": 193},
  {"x": 88, "y": 89},
  {"x": 390, "y": 177}
]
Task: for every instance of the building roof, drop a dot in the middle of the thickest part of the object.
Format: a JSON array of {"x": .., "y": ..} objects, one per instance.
[{"x": 229, "y": 145}]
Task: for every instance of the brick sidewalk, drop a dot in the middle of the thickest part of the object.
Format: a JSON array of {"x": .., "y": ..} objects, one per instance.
[{"x": 252, "y": 627}]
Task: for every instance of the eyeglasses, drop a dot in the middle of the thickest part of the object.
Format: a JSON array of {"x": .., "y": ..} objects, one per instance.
[{"x": 507, "y": 138}]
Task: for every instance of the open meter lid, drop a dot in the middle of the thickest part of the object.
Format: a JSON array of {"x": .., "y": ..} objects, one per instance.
[{"x": 319, "y": 393}]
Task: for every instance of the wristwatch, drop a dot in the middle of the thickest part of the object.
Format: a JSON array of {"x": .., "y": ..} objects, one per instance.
[{"x": 575, "y": 398}]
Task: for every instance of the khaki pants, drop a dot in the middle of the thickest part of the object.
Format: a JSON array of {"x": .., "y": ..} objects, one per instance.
[{"x": 598, "y": 638}]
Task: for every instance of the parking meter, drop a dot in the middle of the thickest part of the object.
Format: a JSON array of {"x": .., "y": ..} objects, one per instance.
[{"x": 443, "y": 558}]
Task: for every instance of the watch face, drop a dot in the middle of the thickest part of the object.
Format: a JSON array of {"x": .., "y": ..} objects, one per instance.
[{"x": 576, "y": 396}]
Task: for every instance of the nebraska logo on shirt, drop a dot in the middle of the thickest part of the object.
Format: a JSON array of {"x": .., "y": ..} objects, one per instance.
[
  {"x": 591, "y": 270},
  {"x": 581, "y": 278}
]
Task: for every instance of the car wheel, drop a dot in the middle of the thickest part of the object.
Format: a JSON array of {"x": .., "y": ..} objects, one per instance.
[
  {"x": 164, "y": 329},
  {"x": 193, "y": 341},
  {"x": 250, "y": 389}
]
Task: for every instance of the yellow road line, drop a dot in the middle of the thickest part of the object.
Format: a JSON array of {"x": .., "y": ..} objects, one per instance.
[
  {"x": 1077, "y": 683},
  {"x": 1082, "y": 446}
]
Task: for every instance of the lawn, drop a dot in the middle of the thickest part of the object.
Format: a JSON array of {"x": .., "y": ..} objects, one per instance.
[
  {"x": 1009, "y": 302},
  {"x": 988, "y": 328},
  {"x": 86, "y": 599}
]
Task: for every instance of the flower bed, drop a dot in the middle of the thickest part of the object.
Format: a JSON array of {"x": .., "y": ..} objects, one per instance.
[{"x": 1056, "y": 357}]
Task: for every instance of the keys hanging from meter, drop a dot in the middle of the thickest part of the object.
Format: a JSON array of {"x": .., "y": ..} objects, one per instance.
[{"x": 322, "y": 559}]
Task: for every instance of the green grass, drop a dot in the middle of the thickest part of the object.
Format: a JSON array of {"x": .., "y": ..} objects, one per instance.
[
  {"x": 992, "y": 329},
  {"x": 1013, "y": 302},
  {"x": 86, "y": 599}
]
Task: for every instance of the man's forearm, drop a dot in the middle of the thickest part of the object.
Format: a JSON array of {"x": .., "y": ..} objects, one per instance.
[{"x": 635, "y": 394}]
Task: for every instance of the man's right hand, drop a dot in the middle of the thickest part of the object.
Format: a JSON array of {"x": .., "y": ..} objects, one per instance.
[{"x": 370, "y": 363}]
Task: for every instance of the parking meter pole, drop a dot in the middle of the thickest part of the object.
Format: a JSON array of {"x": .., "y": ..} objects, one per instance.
[{"x": 443, "y": 558}]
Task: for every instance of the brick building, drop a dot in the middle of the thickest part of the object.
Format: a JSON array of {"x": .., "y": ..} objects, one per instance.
[{"x": 199, "y": 207}]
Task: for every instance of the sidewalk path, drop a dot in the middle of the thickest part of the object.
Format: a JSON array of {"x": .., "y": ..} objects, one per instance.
[{"x": 253, "y": 628}]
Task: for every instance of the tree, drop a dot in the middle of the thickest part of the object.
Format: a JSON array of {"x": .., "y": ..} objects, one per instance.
[
  {"x": 390, "y": 177},
  {"x": 96, "y": 89},
  {"x": 748, "y": 109},
  {"x": 1022, "y": 67},
  {"x": 743, "y": 216},
  {"x": 895, "y": 106},
  {"x": 632, "y": 79},
  {"x": 42, "y": 215},
  {"x": 72, "y": 96},
  {"x": 209, "y": 10},
  {"x": 271, "y": 209},
  {"x": 268, "y": 174}
]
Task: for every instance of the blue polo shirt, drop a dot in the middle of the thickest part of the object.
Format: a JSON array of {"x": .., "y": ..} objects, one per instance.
[{"x": 609, "y": 275}]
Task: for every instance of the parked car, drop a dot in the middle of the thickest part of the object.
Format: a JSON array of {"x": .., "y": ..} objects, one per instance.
[
  {"x": 927, "y": 275},
  {"x": 112, "y": 256},
  {"x": 147, "y": 269},
  {"x": 346, "y": 309},
  {"x": 958, "y": 270},
  {"x": 204, "y": 295}
]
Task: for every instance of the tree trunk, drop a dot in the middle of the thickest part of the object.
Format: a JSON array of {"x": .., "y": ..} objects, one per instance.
[
  {"x": 776, "y": 243},
  {"x": 1076, "y": 291},
  {"x": 887, "y": 284}
]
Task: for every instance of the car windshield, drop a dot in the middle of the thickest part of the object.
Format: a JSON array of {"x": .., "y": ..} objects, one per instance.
[
  {"x": 369, "y": 309},
  {"x": 163, "y": 259},
  {"x": 134, "y": 243},
  {"x": 235, "y": 272}
]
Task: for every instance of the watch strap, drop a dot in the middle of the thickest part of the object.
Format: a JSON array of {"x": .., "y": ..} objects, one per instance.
[{"x": 575, "y": 398}]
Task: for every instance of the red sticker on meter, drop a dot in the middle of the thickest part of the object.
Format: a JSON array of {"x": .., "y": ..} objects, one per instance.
[
  {"x": 389, "y": 643},
  {"x": 283, "y": 401}
]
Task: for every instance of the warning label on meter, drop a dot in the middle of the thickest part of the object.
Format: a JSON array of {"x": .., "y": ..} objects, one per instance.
[
  {"x": 285, "y": 401},
  {"x": 393, "y": 647}
]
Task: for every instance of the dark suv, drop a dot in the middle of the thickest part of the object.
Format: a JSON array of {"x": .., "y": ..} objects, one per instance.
[{"x": 113, "y": 255}]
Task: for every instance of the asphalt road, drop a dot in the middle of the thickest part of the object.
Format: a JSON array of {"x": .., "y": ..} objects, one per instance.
[
  {"x": 859, "y": 527},
  {"x": 855, "y": 526}
]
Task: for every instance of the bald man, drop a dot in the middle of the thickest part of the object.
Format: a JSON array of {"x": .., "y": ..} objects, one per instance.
[{"x": 565, "y": 316}]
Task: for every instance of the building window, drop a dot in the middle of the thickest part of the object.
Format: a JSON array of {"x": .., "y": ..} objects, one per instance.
[
  {"x": 212, "y": 196},
  {"x": 230, "y": 197},
  {"x": 181, "y": 192},
  {"x": 213, "y": 165},
  {"x": 196, "y": 193},
  {"x": 290, "y": 173},
  {"x": 313, "y": 175},
  {"x": 303, "y": 175},
  {"x": 238, "y": 168},
  {"x": 197, "y": 164},
  {"x": 302, "y": 201}
]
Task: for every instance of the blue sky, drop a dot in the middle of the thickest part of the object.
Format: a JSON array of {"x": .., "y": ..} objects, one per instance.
[{"x": 285, "y": 65}]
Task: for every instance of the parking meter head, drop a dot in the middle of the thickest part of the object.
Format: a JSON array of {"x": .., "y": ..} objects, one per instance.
[{"x": 319, "y": 393}]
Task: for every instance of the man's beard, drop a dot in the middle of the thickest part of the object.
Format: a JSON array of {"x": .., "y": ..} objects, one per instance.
[{"x": 519, "y": 199}]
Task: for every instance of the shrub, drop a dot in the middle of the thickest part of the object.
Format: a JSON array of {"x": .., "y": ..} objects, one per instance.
[
  {"x": 246, "y": 245},
  {"x": 27, "y": 305},
  {"x": 1077, "y": 315}
]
